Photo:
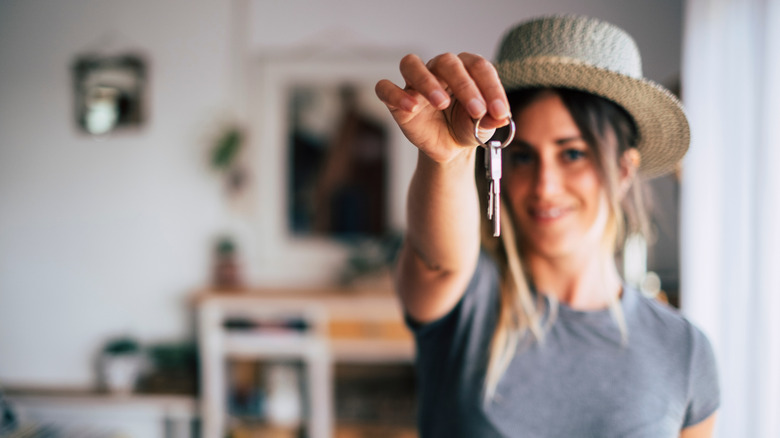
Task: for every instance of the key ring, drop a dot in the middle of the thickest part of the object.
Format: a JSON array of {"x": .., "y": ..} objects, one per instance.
[{"x": 506, "y": 142}]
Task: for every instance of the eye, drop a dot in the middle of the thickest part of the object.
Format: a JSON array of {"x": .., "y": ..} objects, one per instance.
[
  {"x": 518, "y": 156},
  {"x": 573, "y": 154}
]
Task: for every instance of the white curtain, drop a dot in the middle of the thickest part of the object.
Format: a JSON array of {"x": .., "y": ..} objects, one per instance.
[{"x": 730, "y": 203}]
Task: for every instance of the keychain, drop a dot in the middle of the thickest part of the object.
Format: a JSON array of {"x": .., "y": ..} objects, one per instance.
[{"x": 493, "y": 173}]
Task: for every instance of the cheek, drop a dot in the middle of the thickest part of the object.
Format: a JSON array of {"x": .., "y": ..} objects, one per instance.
[
  {"x": 594, "y": 201},
  {"x": 590, "y": 188},
  {"x": 585, "y": 182},
  {"x": 514, "y": 189}
]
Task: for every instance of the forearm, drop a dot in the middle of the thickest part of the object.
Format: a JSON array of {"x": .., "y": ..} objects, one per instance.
[
  {"x": 443, "y": 214},
  {"x": 436, "y": 110}
]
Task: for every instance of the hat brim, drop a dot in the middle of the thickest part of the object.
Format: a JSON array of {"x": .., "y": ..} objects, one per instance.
[{"x": 664, "y": 134}]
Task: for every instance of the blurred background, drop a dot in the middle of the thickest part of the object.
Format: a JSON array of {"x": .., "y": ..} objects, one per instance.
[{"x": 168, "y": 183}]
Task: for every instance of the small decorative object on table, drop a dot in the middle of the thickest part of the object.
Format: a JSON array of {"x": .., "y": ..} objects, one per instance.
[
  {"x": 370, "y": 261},
  {"x": 121, "y": 362},
  {"x": 227, "y": 271}
]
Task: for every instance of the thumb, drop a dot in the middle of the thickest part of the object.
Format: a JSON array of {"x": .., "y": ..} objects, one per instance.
[{"x": 464, "y": 129}]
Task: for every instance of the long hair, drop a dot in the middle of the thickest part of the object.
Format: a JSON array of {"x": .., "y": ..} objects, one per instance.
[{"x": 609, "y": 131}]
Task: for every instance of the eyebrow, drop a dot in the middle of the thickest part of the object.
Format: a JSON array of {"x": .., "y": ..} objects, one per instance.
[
  {"x": 563, "y": 141},
  {"x": 560, "y": 142}
]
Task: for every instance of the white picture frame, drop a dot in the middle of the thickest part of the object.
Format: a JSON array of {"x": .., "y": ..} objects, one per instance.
[{"x": 283, "y": 258}]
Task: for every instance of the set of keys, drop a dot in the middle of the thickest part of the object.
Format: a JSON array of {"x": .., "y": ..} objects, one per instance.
[{"x": 493, "y": 173}]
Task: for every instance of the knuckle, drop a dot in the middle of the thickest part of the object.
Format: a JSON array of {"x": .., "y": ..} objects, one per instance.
[
  {"x": 461, "y": 85},
  {"x": 409, "y": 58},
  {"x": 380, "y": 88},
  {"x": 481, "y": 64},
  {"x": 467, "y": 56},
  {"x": 448, "y": 60},
  {"x": 409, "y": 61}
]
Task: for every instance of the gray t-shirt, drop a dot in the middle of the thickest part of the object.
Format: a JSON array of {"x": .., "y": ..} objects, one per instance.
[{"x": 582, "y": 382}]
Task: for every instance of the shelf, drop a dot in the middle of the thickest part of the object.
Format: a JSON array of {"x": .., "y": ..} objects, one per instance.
[
  {"x": 278, "y": 345},
  {"x": 330, "y": 328}
]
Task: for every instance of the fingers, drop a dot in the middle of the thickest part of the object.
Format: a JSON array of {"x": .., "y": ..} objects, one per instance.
[
  {"x": 394, "y": 97},
  {"x": 420, "y": 79},
  {"x": 469, "y": 78},
  {"x": 452, "y": 72},
  {"x": 443, "y": 98},
  {"x": 488, "y": 83}
]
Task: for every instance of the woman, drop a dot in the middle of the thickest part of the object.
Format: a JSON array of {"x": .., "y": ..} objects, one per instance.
[{"x": 535, "y": 334}]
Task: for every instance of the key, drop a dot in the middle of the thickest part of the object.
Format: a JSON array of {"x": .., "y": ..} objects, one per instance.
[{"x": 493, "y": 174}]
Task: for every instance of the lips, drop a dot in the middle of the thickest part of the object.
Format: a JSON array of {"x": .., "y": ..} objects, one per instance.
[{"x": 548, "y": 213}]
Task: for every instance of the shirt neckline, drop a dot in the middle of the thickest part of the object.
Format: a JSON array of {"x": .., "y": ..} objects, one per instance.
[{"x": 628, "y": 300}]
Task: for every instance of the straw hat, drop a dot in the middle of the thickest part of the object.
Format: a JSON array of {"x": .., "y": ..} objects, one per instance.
[{"x": 597, "y": 57}]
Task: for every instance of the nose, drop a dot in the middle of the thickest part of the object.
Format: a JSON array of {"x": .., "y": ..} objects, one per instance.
[{"x": 548, "y": 178}]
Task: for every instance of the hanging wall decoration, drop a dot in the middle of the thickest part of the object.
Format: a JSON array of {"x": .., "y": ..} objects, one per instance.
[{"x": 109, "y": 92}]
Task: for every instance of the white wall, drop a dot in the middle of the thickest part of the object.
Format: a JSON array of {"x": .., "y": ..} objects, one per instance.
[
  {"x": 103, "y": 237},
  {"x": 433, "y": 26}
]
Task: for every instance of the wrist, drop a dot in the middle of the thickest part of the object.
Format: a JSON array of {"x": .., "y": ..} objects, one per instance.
[{"x": 460, "y": 160}]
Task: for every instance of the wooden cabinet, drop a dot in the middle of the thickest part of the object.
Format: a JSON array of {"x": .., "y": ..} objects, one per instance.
[{"x": 317, "y": 328}]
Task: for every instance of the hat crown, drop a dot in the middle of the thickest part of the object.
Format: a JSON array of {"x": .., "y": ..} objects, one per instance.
[{"x": 573, "y": 39}]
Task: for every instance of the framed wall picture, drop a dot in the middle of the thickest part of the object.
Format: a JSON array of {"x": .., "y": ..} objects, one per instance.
[
  {"x": 332, "y": 166},
  {"x": 337, "y": 162}
]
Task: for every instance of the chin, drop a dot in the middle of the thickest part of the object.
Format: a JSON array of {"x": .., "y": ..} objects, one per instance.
[{"x": 548, "y": 249}]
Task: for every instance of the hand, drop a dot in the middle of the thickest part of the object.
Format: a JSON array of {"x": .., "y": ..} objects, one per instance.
[{"x": 437, "y": 108}]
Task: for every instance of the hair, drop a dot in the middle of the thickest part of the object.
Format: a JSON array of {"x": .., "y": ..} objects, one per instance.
[{"x": 608, "y": 131}]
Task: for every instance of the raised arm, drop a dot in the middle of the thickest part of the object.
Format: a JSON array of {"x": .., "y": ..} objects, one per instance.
[{"x": 435, "y": 111}]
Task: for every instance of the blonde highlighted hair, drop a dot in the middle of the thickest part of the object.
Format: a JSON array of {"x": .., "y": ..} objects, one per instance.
[{"x": 609, "y": 131}]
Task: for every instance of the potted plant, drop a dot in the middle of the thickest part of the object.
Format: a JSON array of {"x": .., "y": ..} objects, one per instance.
[
  {"x": 121, "y": 361},
  {"x": 225, "y": 157},
  {"x": 227, "y": 273}
]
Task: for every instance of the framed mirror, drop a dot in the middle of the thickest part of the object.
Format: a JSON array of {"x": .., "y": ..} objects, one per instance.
[{"x": 109, "y": 92}]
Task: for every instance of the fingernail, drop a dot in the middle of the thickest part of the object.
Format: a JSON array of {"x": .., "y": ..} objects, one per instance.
[
  {"x": 407, "y": 104},
  {"x": 439, "y": 99},
  {"x": 498, "y": 109},
  {"x": 475, "y": 107}
]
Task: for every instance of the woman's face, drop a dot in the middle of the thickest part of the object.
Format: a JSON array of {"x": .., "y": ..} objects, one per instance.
[{"x": 552, "y": 181}]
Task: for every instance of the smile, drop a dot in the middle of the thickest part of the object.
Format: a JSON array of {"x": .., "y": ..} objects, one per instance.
[{"x": 548, "y": 213}]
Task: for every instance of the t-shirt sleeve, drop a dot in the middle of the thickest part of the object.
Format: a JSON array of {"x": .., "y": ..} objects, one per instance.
[
  {"x": 484, "y": 277},
  {"x": 703, "y": 387}
]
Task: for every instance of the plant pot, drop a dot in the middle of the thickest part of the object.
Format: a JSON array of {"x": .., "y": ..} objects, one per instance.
[{"x": 120, "y": 372}]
